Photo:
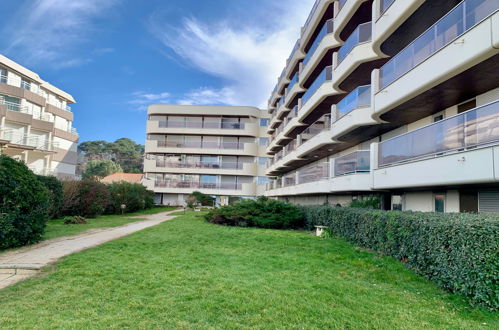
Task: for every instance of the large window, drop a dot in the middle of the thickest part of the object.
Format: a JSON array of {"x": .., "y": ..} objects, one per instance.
[
  {"x": 264, "y": 122},
  {"x": 263, "y": 141}
]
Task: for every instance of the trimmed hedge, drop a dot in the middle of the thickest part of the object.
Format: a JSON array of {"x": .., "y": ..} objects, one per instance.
[
  {"x": 24, "y": 205},
  {"x": 459, "y": 252},
  {"x": 263, "y": 213}
]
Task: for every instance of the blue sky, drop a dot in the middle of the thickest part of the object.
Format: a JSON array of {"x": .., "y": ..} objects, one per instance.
[{"x": 117, "y": 56}]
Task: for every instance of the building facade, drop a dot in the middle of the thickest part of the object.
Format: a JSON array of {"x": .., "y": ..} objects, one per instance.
[
  {"x": 36, "y": 122},
  {"x": 217, "y": 150},
  {"x": 391, "y": 98}
]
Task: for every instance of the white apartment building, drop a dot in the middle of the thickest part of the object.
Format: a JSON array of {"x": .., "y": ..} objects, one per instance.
[
  {"x": 36, "y": 122},
  {"x": 392, "y": 98},
  {"x": 217, "y": 150}
]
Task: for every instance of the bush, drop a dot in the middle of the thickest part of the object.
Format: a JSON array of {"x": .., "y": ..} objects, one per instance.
[
  {"x": 135, "y": 196},
  {"x": 263, "y": 213},
  {"x": 203, "y": 199},
  {"x": 459, "y": 252},
  {"x": 76, "y": 220},
  {"x": 55, "y": 194},
  {"x": 373, "y": 203},
  {"x": 85, "y": 198},
  {"x": 24, "y": 205}
]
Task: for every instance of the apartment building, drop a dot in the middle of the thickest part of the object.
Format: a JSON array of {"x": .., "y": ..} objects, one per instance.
[
  {"x": 391, "y": 98},
  {"x": 36, "y": 122},
  {"x": 217, "y": 150}
]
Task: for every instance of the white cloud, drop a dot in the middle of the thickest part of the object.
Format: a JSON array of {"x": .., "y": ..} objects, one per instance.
[
  {"x": 246, "y": 55},
  {"x": 140, "y": 100},
  {"x": 51, "y": 30}
]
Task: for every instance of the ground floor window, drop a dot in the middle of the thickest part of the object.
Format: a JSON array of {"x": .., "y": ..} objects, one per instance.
[
  {"x": 439, "y": 199},
  {"x": 397, "y": 202}
]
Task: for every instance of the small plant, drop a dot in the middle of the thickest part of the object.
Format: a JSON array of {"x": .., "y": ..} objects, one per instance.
[{"x": 76, "y": 220}]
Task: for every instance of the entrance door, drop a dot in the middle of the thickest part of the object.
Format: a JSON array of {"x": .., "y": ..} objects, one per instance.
[{"x": 468, "y": 201}]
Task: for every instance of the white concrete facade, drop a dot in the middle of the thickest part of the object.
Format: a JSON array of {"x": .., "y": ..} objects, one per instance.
[
  {"x": 411, "y": 85},
  {"x": 36, "y": 122},
  {"x": 217, "y": 150}
]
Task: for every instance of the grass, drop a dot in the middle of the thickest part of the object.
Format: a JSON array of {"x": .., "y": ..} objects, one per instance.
[
  {"x": 56, "y": 228},
  {"x": 188, "y": 274}
]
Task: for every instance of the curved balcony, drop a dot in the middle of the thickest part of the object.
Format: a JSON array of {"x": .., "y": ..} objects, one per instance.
[
  {"x": 347, "y": 10},
  {"x": 353, "y": 112},
  {"x": 187, "y": 187},
  {"x": 324, "y": 42},
  {"x": 313, "y": 21},
  {"x": 392, "y": 14},
  {"x": 276, "y": 118},
  {"x": 221, "y": 168},
  {"x": 320, "y": 89},
  {"x": 459, "y": 150},
  {"x": 293, "y": 89},
  {"x": 294, "y": 58},
  {"x": 360, "y": 35},
  {"x": 440, "y": 60}
]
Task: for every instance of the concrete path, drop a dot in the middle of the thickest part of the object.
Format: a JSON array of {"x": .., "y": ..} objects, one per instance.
[{"x": 26, "y": 262}]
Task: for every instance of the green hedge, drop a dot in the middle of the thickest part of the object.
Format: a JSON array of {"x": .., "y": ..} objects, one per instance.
[
  {"x": 459, "y": 252},
  {"x": 135, "y": 196},
  {"x": 24, "y": 205},
  {"x": 263, "y": 213}
]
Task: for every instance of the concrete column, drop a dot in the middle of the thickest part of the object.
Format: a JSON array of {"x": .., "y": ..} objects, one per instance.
[
  {"x": 332, "y": 164},
  {"x": 334, "y": 114},
  {"x": 335, "y": 60}
]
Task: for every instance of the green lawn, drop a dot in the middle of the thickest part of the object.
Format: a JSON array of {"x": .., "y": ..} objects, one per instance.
[
  {"x": 189, "y": 274},
  {"x": 57, "y": 228}
]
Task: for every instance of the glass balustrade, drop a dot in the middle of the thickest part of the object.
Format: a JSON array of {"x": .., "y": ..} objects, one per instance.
[
  {"x": 341, "y": 4},
  {"x": 200, "y": 124},
  {"x": 356, "y": 162},
  {"x": 360, "y": 97},
  {"x": 200, "y": 165},
  {"x": 201, "y": 145},
  {"x": 294, "y": 81},
  {"x": 470, "y": 129},
  {"x": 385, "y": 4},
  {"x": 198, "y": 185},
  {"x": 454, "y": 24},
  {"x": 314, "y": 173},
  {"x": 289, "y": 180},
  {"x": 295, "y": 49},
  {"x": 324, "y": 76},
  {"x": 326, "y": 29},
  {"x": 362, "y": 34}
]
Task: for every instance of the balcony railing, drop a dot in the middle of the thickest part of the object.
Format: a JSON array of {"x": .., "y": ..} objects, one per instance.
[
  {"x": 198, "y": 185},
  {"x": 12, "y": 106},
  {"x": 326, "y": 29},
  {"x": 200, "y": 124},
  {"x": 312, "y": 12},
  {"x": 293, "y": 81},
  {"x": 362, "y": 34},
  {"x": 385, "y": 4},
  {"x": 202, "y": 145},
  {"x": 42, "y": 171},
  {"x": 295, "y": 48},
  {"x": 289, "y": 180},
  {"x": 358, "y": 98},
  {"x": 477, "y": 127},
  {"x": 314, "y": 173},
  {"x": 454, "y": 24},
  {"x": 28, "y": 140},
  {"x": 356, "y": 162},
  {"x": 200, "y": 165},
  {"x": 324, "y": 76}
]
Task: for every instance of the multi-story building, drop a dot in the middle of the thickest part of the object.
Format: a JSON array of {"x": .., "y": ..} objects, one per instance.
[
  {"x": 394, "y": 98},
  {"x": 217, "y": 150},
  {"x": 36, "y": 122}
]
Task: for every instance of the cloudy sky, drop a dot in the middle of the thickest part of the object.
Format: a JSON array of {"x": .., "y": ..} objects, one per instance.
[{"x": 117, "y": 56}]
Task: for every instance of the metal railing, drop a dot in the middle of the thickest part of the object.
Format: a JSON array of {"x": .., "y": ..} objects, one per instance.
[
  {"x": 362, "y": 34},
  {"x": 201, "y": 124},
  {"x": 455, "y": 23},
  {"x": 324, "y": 76},
  {"x": 358, "y": 98},
  {"x": 12, "y": 106},
  {"x": 29, "y": 140},
  {"x": 477, "y": 127},
  {"x": 326, "y": 29},
  {"x": 201, "y": 165},
  {"x": 198, "y": 185},
  {"x": 356, "y": 162},
  {"x": 202, "y": 145}
]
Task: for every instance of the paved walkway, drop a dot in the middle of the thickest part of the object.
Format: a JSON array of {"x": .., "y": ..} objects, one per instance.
[{"x": 26, "y": 262}]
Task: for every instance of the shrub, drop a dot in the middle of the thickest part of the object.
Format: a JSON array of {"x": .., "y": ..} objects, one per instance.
[
  {"x": 55, "y": 194},
  {"x": 263, "y": 213},
  {"x": 24, "y": 205},
  {"x": 373, "y": 203},
  {"x": 76, "y": 220},
  {"x": 85, "y": 198},
  {"x": 203, "y": 199},
  {"x": 135, "y": 196},
  {"x": 459, "y": 252}
]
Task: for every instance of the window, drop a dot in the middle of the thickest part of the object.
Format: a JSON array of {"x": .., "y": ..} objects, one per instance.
[
  {"x": 439, "y": 202},
  {"x": 25, "y": 84},
  {"x": 397, "y": 203},
  {"x": 264, "y": 122},
  {"x": 262, "y": 161},
  {"x": 438, "y": 117},
  {"x": 263, "y": 141},
  {"x": 262, "y": 180},
  {"x": 3, "y": 76}
]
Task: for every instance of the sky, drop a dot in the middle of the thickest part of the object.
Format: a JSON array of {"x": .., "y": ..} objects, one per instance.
[{"x": 118, "y": 56}]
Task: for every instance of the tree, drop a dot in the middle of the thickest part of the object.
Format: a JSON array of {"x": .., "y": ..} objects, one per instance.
[{"x": 101, "y": 168}]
